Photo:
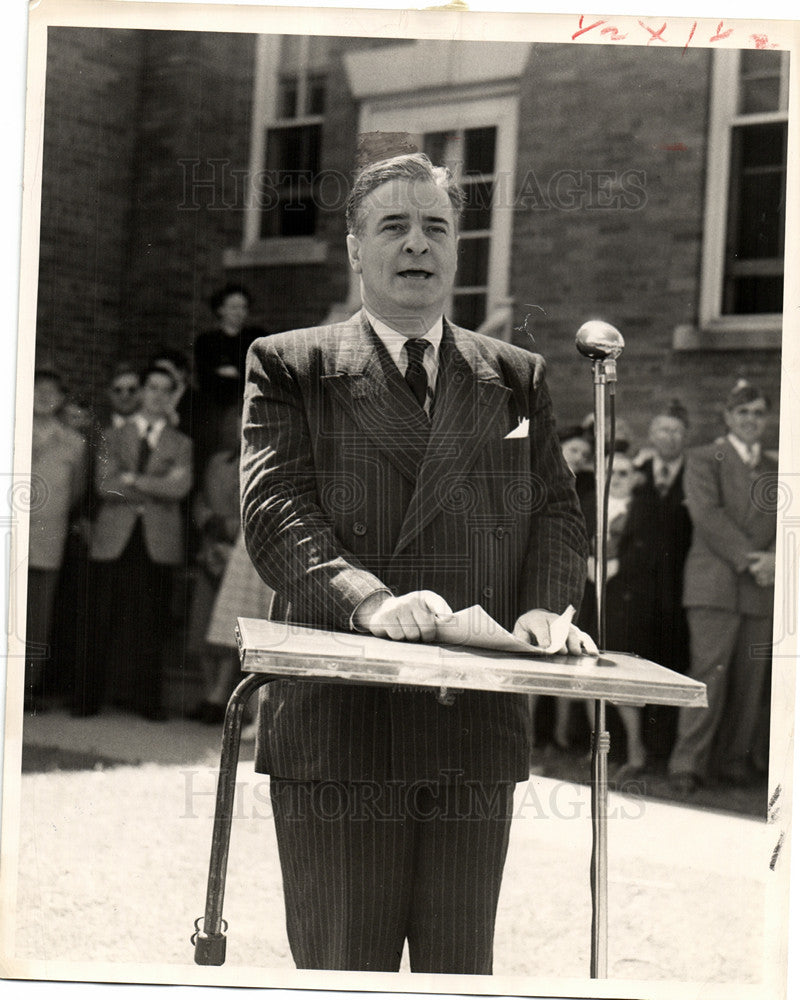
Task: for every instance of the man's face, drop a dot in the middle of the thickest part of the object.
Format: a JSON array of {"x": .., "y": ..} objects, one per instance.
[
  {"x": 576, "y": 452},
  {"x": 406, "y": 253},
  {"x": 124, "y": 393},
  {"x": 157, "y": 394},
  {"x": 667, "y": 436},
  {"x": 623, "y": 477},
  {"x": 233, "y": 311},
  {"x": 748, "y": 421}
]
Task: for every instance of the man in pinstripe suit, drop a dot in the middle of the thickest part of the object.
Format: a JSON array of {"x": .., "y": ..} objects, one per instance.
[{"x": 380, "y": 490}]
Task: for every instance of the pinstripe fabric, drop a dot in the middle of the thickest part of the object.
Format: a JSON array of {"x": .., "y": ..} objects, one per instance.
[
  {"x": 348, "y": 489},
  {"x": 348, "y": 854}
]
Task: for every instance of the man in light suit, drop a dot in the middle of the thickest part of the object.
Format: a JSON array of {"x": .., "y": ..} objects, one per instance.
[
  {"x": 728, "y": 592},
  {"x": 143, "y": 472},
  {"x": 380, "y": 491}
]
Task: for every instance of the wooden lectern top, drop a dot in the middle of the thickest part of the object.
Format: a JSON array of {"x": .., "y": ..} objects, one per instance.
[{"x": 291, "y": 651}]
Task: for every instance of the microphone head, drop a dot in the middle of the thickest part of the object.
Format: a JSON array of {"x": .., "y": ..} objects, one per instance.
[{"x": 597, "y": 339}]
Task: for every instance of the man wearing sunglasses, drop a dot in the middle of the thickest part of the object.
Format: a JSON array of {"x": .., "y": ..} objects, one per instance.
[
  {"x": 728, "y": 593},
  {"x": 124, "y": 395}
]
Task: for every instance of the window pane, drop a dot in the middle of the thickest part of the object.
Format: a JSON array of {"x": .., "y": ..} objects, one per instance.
[
  {"x": 760, "y": 223},
  {"x": 760, "y": 61},
  {"x": 479, "y": 150},
  {"x": 473, "y": 262},
  {"x": 435, "y": 146},
  {"x": 478, "y": 206},
  {"x": 287, "y": 98},
  {"x": 294, "y": 148},
  {"x": 759, "y": 145},
  {"x": 749, "y": 296},
  {"x": 759, "y": 94},
  {"x": 315, "y": 95},
  {"x": 469, "y": 310}
]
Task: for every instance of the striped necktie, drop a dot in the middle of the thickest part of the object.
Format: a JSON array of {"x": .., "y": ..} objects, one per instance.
[{"x": 416, "y": 377}]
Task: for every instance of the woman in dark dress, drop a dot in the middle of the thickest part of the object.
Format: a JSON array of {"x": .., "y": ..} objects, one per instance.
[{"x": 219, "y": 366}]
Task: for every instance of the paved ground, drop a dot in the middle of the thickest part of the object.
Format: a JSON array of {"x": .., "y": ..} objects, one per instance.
[{"x": 115, "y": 831}]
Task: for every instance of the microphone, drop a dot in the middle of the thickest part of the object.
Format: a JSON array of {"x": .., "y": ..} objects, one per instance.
[{"x": 598, "y": 340}]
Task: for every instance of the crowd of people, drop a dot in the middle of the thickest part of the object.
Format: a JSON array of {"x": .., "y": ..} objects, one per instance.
[
  {"x": 690, "y": 578},
  {"x": 135, "y": 546},
  {"x": 133, "y": 499}
]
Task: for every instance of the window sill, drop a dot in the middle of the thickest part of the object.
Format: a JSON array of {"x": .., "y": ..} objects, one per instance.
[
  {"x": 281, "y": 251},
  {"x": 733, "y": 333}
]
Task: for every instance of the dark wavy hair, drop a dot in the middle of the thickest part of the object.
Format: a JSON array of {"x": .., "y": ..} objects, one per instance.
[{"x": 411, "y": 167}]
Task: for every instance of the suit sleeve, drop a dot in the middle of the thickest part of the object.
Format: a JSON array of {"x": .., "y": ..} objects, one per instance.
[
  {"x": 176, "y": 482},
  {"x": 288, "y": 536},
  {"x": 710, "y": 519},
  {"x": 554, "y": 572}
]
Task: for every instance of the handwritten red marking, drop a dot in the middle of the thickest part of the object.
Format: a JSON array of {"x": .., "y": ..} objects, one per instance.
[
  {"x": 672, "y": 147},
  {"x": 762, "y": 42},
  {"x": 720, "y": 35},
  {"x": 615, "y": 35},
  {"x": 655, "y": 35},
  {"x": 582, "y": 30},
  {"x": 691, "y": 36}
]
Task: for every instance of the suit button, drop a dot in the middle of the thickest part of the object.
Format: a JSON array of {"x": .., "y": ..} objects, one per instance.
[
  {"x": 487, "y": 592},
  {"x": 359, "y": 528}
]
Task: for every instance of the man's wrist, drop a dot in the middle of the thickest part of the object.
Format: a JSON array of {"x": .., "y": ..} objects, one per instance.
[{"x": 359, "y": 620}]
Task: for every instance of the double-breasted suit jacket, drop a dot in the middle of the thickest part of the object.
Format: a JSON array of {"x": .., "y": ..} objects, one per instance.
[
  {"x": 733, "y": 512},
  {"x": 168, "y": 476},
  {"x": 347, "y": 489}
]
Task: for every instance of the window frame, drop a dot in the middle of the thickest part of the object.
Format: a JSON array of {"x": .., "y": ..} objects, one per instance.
[
  {"x": 718, "y": 329},
  {"x": 454, "y": 109}
]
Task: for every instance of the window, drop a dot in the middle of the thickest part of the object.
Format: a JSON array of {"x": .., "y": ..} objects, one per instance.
[
  {"x": 742, "y": 279},
  {"x": 476, "y": 139},
  {"x": 470, "y": 153},
  {"x": 293, "y": 138},
  {"x": 281, "y": 215}
]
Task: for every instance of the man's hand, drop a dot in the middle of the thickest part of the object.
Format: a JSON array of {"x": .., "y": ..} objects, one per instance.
[
  {"x": 762, "y": 566},
  {"x": 411, "y": 617},
  {"x": 534, "y": 627}
]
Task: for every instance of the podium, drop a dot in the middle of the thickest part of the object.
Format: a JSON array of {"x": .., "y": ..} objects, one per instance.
[{"x": 276, "y": 650}]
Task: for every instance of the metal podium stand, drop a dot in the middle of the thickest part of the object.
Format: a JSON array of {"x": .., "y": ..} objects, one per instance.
[{"x": 273, "y": 650}]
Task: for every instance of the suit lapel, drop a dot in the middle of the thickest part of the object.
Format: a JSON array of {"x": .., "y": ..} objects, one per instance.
[
  {"x": 366, "y": 383},
  {"x": 471, "y": 406}
]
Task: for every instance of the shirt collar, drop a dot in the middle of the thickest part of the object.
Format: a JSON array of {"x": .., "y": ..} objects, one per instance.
[
  {"x": 743, "y": 451},
  {"x": 152, "y": 428},
  {"x": 394, "y": 341}
]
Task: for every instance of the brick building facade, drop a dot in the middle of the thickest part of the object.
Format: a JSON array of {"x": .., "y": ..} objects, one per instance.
[{"x": 155, "y": 141}]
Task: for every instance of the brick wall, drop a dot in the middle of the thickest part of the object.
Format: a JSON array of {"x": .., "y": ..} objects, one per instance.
[
  {"x": 87, "y": 177},
  {"x": 628, "y": 252}
]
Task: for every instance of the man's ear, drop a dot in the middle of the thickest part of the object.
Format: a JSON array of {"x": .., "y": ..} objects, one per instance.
[{"x": 354, "y": 252}]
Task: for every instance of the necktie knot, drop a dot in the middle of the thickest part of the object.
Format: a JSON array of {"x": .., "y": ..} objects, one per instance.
[{"x": 416, "y": 377}]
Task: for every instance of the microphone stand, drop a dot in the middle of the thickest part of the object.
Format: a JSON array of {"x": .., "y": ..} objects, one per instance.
[{"x": 603, "y": 344}]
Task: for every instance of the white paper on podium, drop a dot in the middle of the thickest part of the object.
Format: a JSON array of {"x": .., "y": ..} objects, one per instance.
[{"x": 474, "y": 627}]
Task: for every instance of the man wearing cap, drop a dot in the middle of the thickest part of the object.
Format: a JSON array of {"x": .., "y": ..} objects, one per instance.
[
  {"x": 394, "y": 468},
  {"x": 728, "y": 594}
]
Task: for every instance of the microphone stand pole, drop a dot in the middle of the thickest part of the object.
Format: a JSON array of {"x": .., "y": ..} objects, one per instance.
[{"x": 601, "y": 343}]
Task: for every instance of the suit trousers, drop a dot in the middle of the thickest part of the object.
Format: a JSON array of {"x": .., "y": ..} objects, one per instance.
[
  {"x": 130, "y": 608},
  {"x": 730, "y": 654},
  {"x": 42, "y": 585},
  {"x": 367, "y": 866}
]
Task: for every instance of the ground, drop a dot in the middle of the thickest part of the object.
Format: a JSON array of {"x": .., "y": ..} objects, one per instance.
[{"x": 115, "y": 831}]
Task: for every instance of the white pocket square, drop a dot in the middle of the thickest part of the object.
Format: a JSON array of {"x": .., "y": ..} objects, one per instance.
[{"x": 520, "y": 431}]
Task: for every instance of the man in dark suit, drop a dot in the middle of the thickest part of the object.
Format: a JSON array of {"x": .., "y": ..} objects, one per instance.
[
  {"x": 143, "y": 472},
  {"x": 728, "y": 592},
  {"x": 662, "y": 527},
  {"x": 380, "y": 489}
]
